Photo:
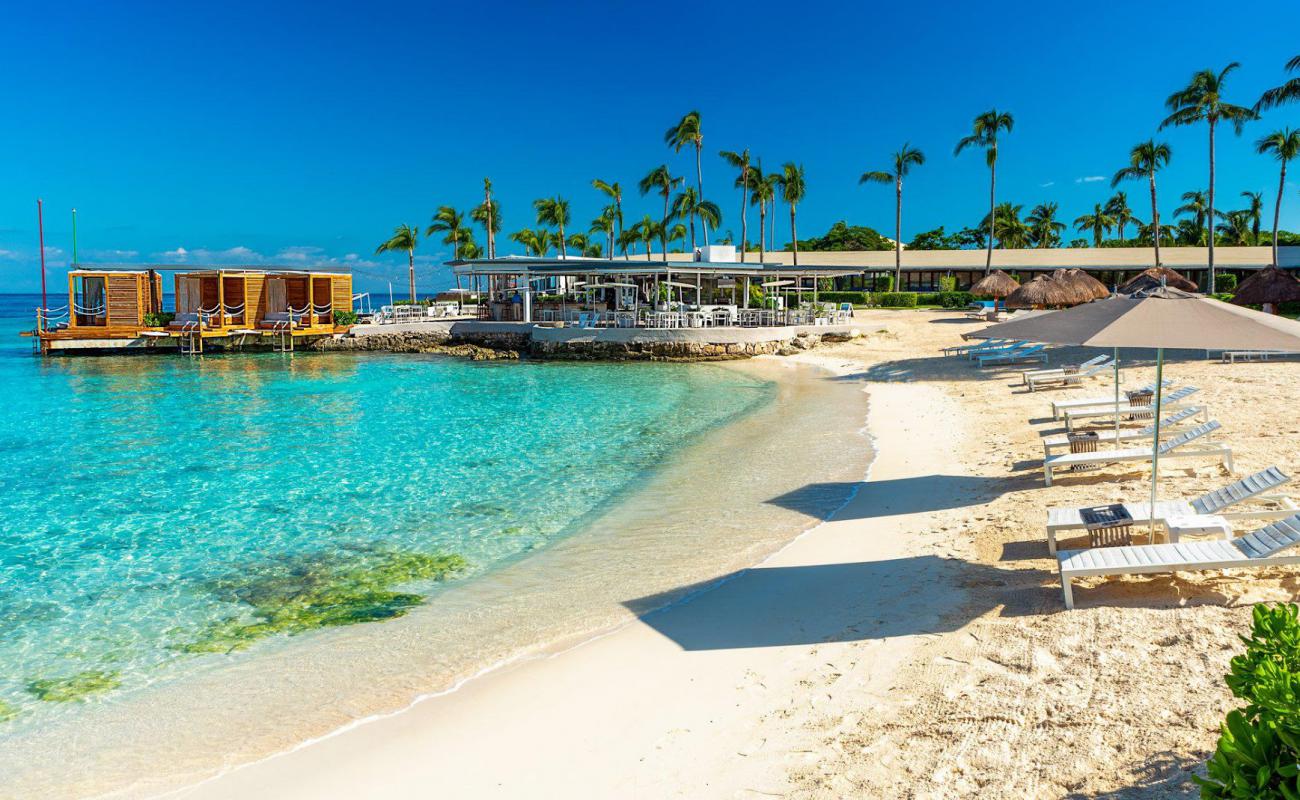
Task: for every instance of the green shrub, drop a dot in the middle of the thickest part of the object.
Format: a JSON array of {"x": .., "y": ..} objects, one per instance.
[
  {"x": 856, "y": 298},
  {"x": 1225, "y": 282},
  {"x": 951, "y": 299},
  {"x": 947, "y": 284},
  {"x": 345, "y": 318},
  {"x": 1224, "y": 296},
  {"x": 896, "y": 299},
  {"x": 158, "y": 319},
  {"x": 1258, "y": 755},
  {"x": 885, "y": 283},
  {"x": 927, "y": 298}
]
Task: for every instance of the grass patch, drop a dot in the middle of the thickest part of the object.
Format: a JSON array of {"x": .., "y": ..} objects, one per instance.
[
  {"x": 292, "y": 596},
  {"x": 73, "y": 687}
]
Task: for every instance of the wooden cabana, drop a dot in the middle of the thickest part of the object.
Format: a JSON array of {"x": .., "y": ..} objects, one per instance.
[{"x": 111, "y": 300}]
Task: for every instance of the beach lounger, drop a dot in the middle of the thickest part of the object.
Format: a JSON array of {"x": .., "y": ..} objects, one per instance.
[
  {"x": 1170, "y": 402},
  {"x": 1019, "y": 355},
  {"x": 1059, "y": 407},
  {"x": 962, "y": 349},
  {"x": 1270, "y": 546},
  {"x": 1178, "y": 447},
  {"x": 1002, "y": 348},
  {"x": 1255, "y": 488},
  {"x": 1037, "y": 379},
  {"x": 1044, "y": 373},
  {"x": 1169, "y": 424}
]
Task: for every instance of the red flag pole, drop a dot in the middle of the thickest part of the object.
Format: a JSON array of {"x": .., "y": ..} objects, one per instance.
[{"x": 40, "y": 226}]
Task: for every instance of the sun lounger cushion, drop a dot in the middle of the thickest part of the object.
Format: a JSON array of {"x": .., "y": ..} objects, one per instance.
[{"x": 1240, "y": 491}]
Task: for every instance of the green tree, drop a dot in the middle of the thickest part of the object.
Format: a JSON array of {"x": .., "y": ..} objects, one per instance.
[
  {"x": 535, "y": 242},
  {"x": 689, "y": 206},
  {"x": 628, "y": 238},
  {"x": 450, "y": 221},
  {"x": 604, "y": 224},
  {"x": 1234, "y": 228},
  {"x": 686, "y": 132},
  {"x": 648, "y": 230},
  {"x": 1201, "y": 100},
  {"x": 984, "y": 135},
  {"x": 1288, "y": 92},
  {"x": 906, "y": 158},
  {"x": 405, "y": 237},
  {"x": 1099, "y": 222},
  {"x": 615, "y": 193},
  {"x": 488, "y": 215},
  {"x": 842, "y": 236},
  {"x": 740, "y": 161},
  {"x": 1044, "y": 228},
  {"x": 1010, "y": 231},
  {"x": 1197, "y": 207},
  {"x": 554, "y": 211},
  {"x": 793, "y": 188},
  {"x": 1145, "y": 160},
  {"x": 1255, "y": 212},
  {"x": 935, "y": 239},
  {"x": 1285, "y": 146},
  {"x": 676, "y": 233},
  {"x": 762, "y": 192},
  {"x": 660, "y": 180},
  {"x": 1117, "y": 208}
]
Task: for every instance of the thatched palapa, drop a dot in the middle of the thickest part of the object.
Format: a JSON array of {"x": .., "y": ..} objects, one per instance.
[
  {"x": 1043, "y": 292},
  {"x": 1150, "y": 279},
  {"x": 997, "y": 285},
  {"x": 1088, "y": 283},
  {"x": 1268, "y": 287}
]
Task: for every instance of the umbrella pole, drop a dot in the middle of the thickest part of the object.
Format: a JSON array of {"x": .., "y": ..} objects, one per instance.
[
  {"x": 1155, "y": 441},
  {"x": 1116, "y": 360}
]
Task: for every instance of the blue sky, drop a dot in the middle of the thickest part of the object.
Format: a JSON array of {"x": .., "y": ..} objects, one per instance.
[{"x": 295, "y": 132}]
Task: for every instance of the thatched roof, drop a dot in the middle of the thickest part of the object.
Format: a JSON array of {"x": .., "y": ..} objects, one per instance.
[
  {"x": 1093, "y": 286},
  {"x": 1042, "y": 292},
  {"x": 1150, "y": 279},
  {"x": 997, "y": 284},
  {"x": 1270, "y": 285}
]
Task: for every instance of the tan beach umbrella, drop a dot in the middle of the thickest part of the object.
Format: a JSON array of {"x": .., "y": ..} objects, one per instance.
[
  {"x": 1041, "y": 292},
  {"x": 1159, "y": 318},
  {"x": 1154, "y": 278},
  {"x": 1268, "y": 288},
  {"x": 1087, "y": 283},
  {"x": 997, "y": 285}
]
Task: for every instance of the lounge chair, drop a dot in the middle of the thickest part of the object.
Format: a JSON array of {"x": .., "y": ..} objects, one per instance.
[
  {"x": 1035, "y": 373},
  {"x": 1270, "y": 546},
  {"x": 1170, "y": 402},
  {"x": 1002, "y": 348},
  {"x": 963, "y": 349},
  {"x": 1169, "y": 424},
  {"x": 1177, "y": 447},
  {"x": 1059, "y": 407},
  {"x": 1018, "y": 355},
  {"x": 1036, "y": 379},
  {"x": 1250, "y": 489}
]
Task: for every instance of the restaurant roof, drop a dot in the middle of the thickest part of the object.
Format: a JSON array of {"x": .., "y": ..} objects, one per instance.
[{"x": 516, "y": 265}]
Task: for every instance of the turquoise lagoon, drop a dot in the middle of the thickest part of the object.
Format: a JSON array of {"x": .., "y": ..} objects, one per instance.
[{"x": 159, "y": 510}]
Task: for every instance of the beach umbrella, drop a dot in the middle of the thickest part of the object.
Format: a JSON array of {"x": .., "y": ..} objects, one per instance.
[
  {"x": 1161, "y": 318},
  {"x": 1154, "y": 278},
  {"x": 1041, "y": 292},
  {"x": 997, "y": 285},
  {"x": 1268, "y": 287}
]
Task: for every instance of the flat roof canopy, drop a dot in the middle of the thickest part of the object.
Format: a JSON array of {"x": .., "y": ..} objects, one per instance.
[
  {"x": 515, "y": 265},
  {"x": 211, "y": 269}
]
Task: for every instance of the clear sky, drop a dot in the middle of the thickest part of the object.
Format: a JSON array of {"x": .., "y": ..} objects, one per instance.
[{"x": 286, "y": 132}]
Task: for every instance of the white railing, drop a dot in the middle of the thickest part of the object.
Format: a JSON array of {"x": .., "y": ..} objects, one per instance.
[{"x": 361, "y": 303}]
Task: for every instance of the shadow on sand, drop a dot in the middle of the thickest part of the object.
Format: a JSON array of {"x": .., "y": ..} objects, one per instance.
[{"x": 898, "y": 496}]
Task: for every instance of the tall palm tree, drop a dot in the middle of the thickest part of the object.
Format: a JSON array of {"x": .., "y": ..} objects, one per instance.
[
  {"x": 605, "y": 224},
  {"x": 793, "y": 188},
  {"x": 1255, "y": 213},
  {"x": 1288, "y": 92},
  {"x": 676, "y": 233},
  {"x": 450, "y": 221},
  {"x": 1197, "y": 207},
  {"x": 615, "y": 192},
  {"x": 762, "y": 191},
  {"x": 488, "y": 214},
  {"x": 535, "y": 242},
  {"x": 1099, "y": 222},
  {"x": 1235, "y": 228},
  {"x": 648, "y": 230},
  {"x": 984, "y": 134},
  {"x": 1117, "y": 208},
  {"x": 405, "y": 237},
  {"x": 687, "y": 131},
  {"x": 579, "y": 242},
  {"x": 904, "y": 160},
  {"x": 554, "y": 211},
  {"x": 628, "y": 238},
  {"x": 688, "y": 206},
  {"x": 741, "y": 162},
  {"x": 1201, "y": 100},
  {"x": 1285, "y": 146},
  {"x": 1145, "y": 160},
  {"x": 1044, "y": 228},
  {"x": 662, "y": 181},
  {"x": 1012, "y": 233}
]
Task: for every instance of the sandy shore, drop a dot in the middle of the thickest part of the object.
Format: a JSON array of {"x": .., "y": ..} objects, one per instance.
[{"x": 914, "y": 646}]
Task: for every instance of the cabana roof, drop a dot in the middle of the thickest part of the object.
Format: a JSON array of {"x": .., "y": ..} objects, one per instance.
[
  {"x": 517, "y": 265},
  {"x": 208, "y": 269}
]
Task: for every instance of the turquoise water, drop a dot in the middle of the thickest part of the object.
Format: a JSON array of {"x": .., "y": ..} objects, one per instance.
[{"x": 150, "y": 501}]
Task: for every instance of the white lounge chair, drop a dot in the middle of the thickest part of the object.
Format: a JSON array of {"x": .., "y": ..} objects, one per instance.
[
  {"x": 962, "y": 349},
  {"x": 1004, "y": 346},
  {"x": 1170, "y": 402},
  {"x": 1270, "y": 546},
  {"x": 1059, "y": 407},
  {"x": 1169, "y": 424},
  {"x": 1036, "y": 379},
  {"x": 1177, "y": 447},
  {"x": 1018, "y": 355},
  {"x": 1044, "y": 373},
  {"x": 1255, "y": 488}
]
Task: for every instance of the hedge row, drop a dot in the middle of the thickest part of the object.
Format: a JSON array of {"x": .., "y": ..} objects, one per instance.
[{"x": 899, "y": 299}]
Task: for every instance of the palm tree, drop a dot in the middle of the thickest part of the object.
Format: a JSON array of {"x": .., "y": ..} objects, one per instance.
[
  {"x": 615, "y": 192},
  {"x": 628, "y": 238},
  {"x": 1288, "y": 92},
  {"x": 1285, "y": 146},
  {"x": 741, "y": 162},
  {"x": 450, "y": 221},
  {"x": 1145, "y": 160},
  {"x": 984, "y": 134},
  {"x": 1235, "y": 228},
  {"x": 904, "y": 160},
  {"x": 554, "y": 211},
  {"x": 579, "y": 242},
  {"x": 648, "y": 230},
  {"x": 793, "y": 188},
  {"x": 1044, "y": 228},
  {"x": 1202, "y": 100},
  {"x": 687, "y": 131},
  {"x": 675, "y": 234},
  {"x": 762, "y": 191},
  {"x": 662, "y": 181},
  {"x": 1117, "y": 208},
  {"x": 688, "y": 206},
  {"x": 1011, "y": 232},
  {"x": 1197, "y": 207},
  {"x": 405, "y": 237},
  {"x": 536, "y": 243},
  {"x": 489, "y": 216},
  {"x": 1255, "y": 213},
  {"x": 605, "y": 224},
  {"x": 1099, "y": 222}
]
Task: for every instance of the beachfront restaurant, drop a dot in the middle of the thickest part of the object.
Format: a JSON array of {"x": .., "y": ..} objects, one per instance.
[{"x": 592, "y": 292}]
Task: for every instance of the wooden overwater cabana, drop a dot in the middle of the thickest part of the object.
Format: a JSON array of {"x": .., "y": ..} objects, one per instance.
[{"x": 115, "y": 308}]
